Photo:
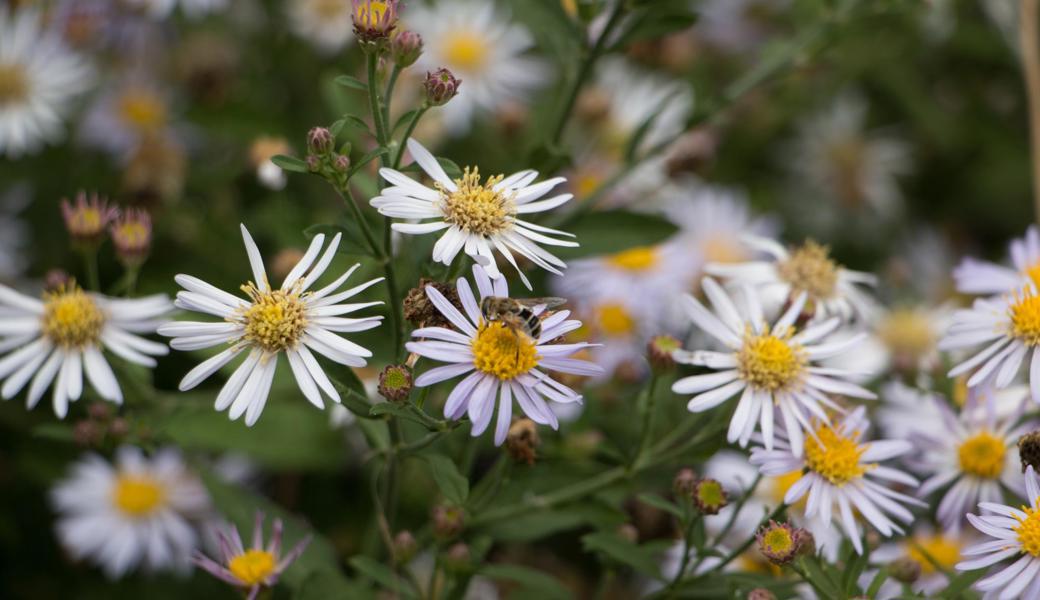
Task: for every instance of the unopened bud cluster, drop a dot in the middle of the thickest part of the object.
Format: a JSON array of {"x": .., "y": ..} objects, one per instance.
[
  {"x": 322, "y": 157},
  {"x": 101, "y": 425}
]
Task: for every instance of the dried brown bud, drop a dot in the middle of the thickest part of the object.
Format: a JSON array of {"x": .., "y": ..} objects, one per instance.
[
  {"x": 684, "y": 483},
  {"x": 628, "y": 532},
  {"x": 448, "y": 521},
  {"x": 99, "y": 411},
  {"x": 284, "y": 261},
  {"x": 593, "y": 105},
  {"x": 395, "y": 383},
  {"x": 119, "y": 427},
  {"x": 419, "y": 311},
  {"x": 522, "y": 441},
  {"x": 404, "y": 547},
  {"x": 905, "y": 569},
  {"x": 1029, "y": 450},
  {"x": 659, "y": 352},
  {"x": 86, "y": 434}
]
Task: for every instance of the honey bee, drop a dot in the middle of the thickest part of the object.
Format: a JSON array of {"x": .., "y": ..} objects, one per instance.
[{"x": 518, "y": 313}]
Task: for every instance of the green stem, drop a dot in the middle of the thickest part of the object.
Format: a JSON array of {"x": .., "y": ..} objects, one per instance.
[
  {"x": 687, "y": 535},
  {"x": 387, "y": 96},
  {"x": 396, "y": 314},
  {"x": 348, "y": 199},
  {"x": 407, "y": 134},
  {"x": 647, "y": 406},
  {"x": 90, "y": 259},
  {"x": 373, "y": 99},
  {"x": 131, "y": 280}
]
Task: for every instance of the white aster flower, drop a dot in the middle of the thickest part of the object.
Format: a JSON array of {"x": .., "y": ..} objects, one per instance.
[
  {"x": 39, "y": 79},
  {"x": 325, "y": 24},
  {"x": 772, "y": 367},
  {"x": 1016, "y": 534},
  {"x": 1009, "y": 326},
  {"x": 500, "y": 363},
  {"x": 975, "y": 451},
  {"x": 904, "y": 339},
  {"x": 60, "y": 337},
  {"x": 842, "y": 473},
  {"x": 973, "y": 276},
  {"x": 480, "y": 45},
  {"x": 160, "y": 9},
  {"x": 127, "y": 115},
  {"x": 479, "y": 216},
  {"x": 832, "y": 289},
  {"x": 289, "y": 320},
  {"x": 923, "y": 547},
  {"x": 138, "y": 512}
]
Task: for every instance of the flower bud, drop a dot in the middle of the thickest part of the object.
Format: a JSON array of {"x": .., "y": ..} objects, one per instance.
[
  {"x": 132, "y": 236},
  {"x": 440, "y": 86},
  {"x": 691, "y": 152},
  {"x": 447, "y": 521},
  {"x": 341, "y": 163},
  {"x": 659, "y": 352},
  {"x": 628, "y": 532},
  {"x": 777, "y": 542},
  {"x": 905, "y": 569},
  {"x": 684, "y": 483},
  {"x": 313, "y": 163},
  {"x": 405, "y": 48},
  {"x": 1029, "y": 450},
  {"x": 805, "y": 541},
  {"x": 86, "y": 434},
  {"x": 87, "y": 220},
  {"x": 522, "y": 441},
  {"x": 374, "y": 20},
  {"x": 119, "y": 427},
  {"x": 404, "y": 547},
  {"x": 395, "y": 383},
  {"x": 761, "y": 594},
  {"x": 56, "y": 279},
  {"x": 320, "y": 141},
  {"x": 457, "y": 558},
  {"x": 99, "y": 411},
  {"x": 709, "y": 497},
  {"x": 593, "y": 105}
]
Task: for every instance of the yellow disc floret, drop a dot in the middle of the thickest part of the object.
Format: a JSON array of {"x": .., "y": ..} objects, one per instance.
[
  {"x": 834, "y": 456},
  {"x": 614, "y": 320},
  {"x": 908, "y": 334},
  {"x": 138, "y": 495},
  {"x": 1033, "y": 273},
  {"x": 143, "y": 110},
  {"x": 1025, "y": 317},
  {"x": 71, "y": 318},
  {"x": 770, "y": 362},
  {"x": 14, "y": 85},
  {"x": 634, "y": 259},
  {"x": 940, "y": 549},
  {"x": 1028, "y": 529},
  {"x": 810, "y": 269},
  {"x": 253, "y": 567},
  {"x": 475, "y": 207},
  {"x": 982, "y": 455},
  {"x": 275, "y": 321},
  {"x": 502, "y": 351},
  {"x": 466, "y": 51}
]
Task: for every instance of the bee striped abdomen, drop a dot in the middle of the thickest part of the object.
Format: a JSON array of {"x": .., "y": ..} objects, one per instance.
[{"x": 534, "y": 324}]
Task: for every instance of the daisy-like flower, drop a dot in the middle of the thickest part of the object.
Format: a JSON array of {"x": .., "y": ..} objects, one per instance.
[
  {"x": 973, "y": 276},
  {"x": 1009, "y": 326},
  {"x": 477, "y": 42},
  {"x": 772, "y": 367},
  {"x": 499, "y": 362},
  {"x": 842, "y": 473},
  {"x": 131, "y": 114},
  {"x": 478, "y": 216},
  {"x": 263, "y": 149},
  {"x": 138, "y": 512},
  {"x": 289, "y": 320},
  {"x": 1016, "y": 534},
  {"x": 254, "y": 568},
  {"x": 927, "y": 548},
  {"x": 975, "y": 451},
  {"x": 325, "y": 24},
  {"x": 60, "y": 337},
  {"x": 832, "y": 289},
  {"x": 39, "y": 79},
  {"x": 160, "y": 9}
]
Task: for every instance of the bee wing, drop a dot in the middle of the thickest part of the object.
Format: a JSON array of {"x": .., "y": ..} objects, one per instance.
[{"x": 549, "y": 302}]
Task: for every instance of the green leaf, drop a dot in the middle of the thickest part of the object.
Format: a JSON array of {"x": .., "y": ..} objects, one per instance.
[
  {"x": 961, "y": 582},
  {"x": 877, "y": 582},
  {"x": 382, "y": 575},
  {"x": 58, "y": 432},
  {"x": 609, "y": 232},
  {"x": 655, "y": 22},
  {"x": 323, "y": 585},
  {"x": 660, "y": 503},
  {"x": 290, "y": 163},
  {"x": 364, "y": 160},
  {"x": 356, "y": 121},
  {"x": 452, "y": 484},
  {"x": 352, "y": 393},
  {"x": 337, "y": 127},
  {"x": 540, "y": 524},
  {"x": 351, "y": 82},
  {"x": 402, "y": 411},
  {"x": 535, "y": 583},
  {"x": 622, "y": 551}
]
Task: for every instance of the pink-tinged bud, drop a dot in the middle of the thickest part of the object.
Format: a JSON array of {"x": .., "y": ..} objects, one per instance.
[
  {"x": 56, "y": 279},
  {"x": 341, "y": 163},
  {"x": 374, "y": 20},
  {"x": 320, "y": 141},
  {"x": 313, "y": 163},
  {"x": 405, "y": 48},
  {"x": 86, "y": 220},
  {"x": 440, "y": 86},
  {"x": 132, "y": 236}
]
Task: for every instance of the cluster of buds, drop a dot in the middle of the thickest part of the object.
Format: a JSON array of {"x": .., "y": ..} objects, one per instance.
[
  {"x": 88, "y": 218},
  {"x": 395, "y": 383},
  {"x": 101, "y": 424},
  {"x": 706, "y": 494},
  {"x": 374, "y": 21},
  {"x": 780, "y": 543},
  {"x": 322, "y": 157},
  {"x": 440, "y": 86},
  {"x": 132, "y": 237}
]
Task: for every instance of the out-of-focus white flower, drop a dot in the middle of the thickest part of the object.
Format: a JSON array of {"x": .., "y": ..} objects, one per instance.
[
  {"x": 985, "y": 278},
  {"x": 479, "y": 44},
  {"x": 138, "y": 512},
  {"x": 263, "y": 149},
  {"x": 906, "y": 339},
  {"x": 325, "y": 24},
  {"x": 39, "y": 80},
  {"x": 735, "y": 25},
  {"x": 289, "y": 320},
  {"x": 923, "y": 546},
  {"x": 121, "y": 119},
  {"x": 160, "y": 9},
  {"x": 773, "y": 367},
  {"x": 479, "y": 216}
]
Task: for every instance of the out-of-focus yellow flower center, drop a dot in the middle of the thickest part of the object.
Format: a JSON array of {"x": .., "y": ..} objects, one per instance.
[
  {"x": 143, "y": 110},
  {"x": 959, "y": 395},
  {"x": 942, "y": 550},
  {"x": 132, "y": 234},
  {"x": 138, "y": 495},
  {"x": 475, "y": 207},
  {"x": 908, "y": 333},
  {"x": 252, "y": 567},
  {"x": 847, "y": 159},
  {"x": 1025, "y": 317},
  {"x": 1033, "y": 273},
  {"x": 752, "y": 562},
  {"x": 641, "y": 258},
  {"x": 782, "y": 483},
  {"x": 71, "y": 318},
  {"x": 778, "y": 540},
  {"x": 275, "y": 321},
  {"x": 503, "y": 351},
  {"x": 614, "y": 320},
  {"x": 720, "y": 249},
  {"x": 329, "y": 9},
  {"x": 810, "y": 269},
  {"x": 770, "y": 362},
  {"x": 834, "y": 456},
  {"x": 1028, "y": 529},
  {"x": 982, "y": 455},
  {"x": 14, "y": 85},
  {"x": 466, "y": 51},
  {"x": 586, "y": 184}
]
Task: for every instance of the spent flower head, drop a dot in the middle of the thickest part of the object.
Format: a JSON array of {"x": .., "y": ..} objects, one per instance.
[
  {"x": 395, "y": 383},
  {"x": 440, "y": 86},
  {"x": 709, "y": 497}
]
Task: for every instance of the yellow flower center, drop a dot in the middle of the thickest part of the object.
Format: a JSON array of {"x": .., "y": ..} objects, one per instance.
[
  {"x": 466, "y": 51},
  {"x": 982, "y": 455},
  {"x": 719, "y": 249},
  {"x": 811, "y": 270},
  {"x": 847, "y": 159},
  {"x": 475, "y": 207},
  {"x": 252, "y": 567},
  {"x": 614, "y": 320},
  {"x": 959, "y": 395},
  {"x": 641, "y": 258},
  {"x": 942, "y": 550},
  {"x": 502, "y": 351},
  {"x": 132, "y": 234},
  {"x": 275, "y": 321},
  {"x": 778, "y": 540},
  {"x": 1028, "y": 529},
  {"x": 1032, "y": 271},
  {"x": 782, "y": 483},
  {"x": 1025, "y": 317},
  {"x": 369, "y": 15},
  {"x": 142, "y": 110},
  {"x": 14, "y": 84},
  {"x": 587, "y": 183},
  {"x": 138, "y": 495},
  {"x": 71, "y": 318},
  {"x": 770, "y": 362},
  {"x": 834, "y": 456},
  {"x": 908, "y": 334}
]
